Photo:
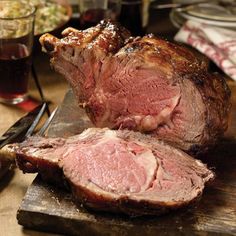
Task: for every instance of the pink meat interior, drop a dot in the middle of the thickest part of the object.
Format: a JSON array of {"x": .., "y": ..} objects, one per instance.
[
  {"x": 113, "y": 165},
  {"x": 119, "y": 166}
]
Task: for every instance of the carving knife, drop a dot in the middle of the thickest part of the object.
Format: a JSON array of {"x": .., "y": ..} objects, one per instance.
[
  {"x": 17, "y": 133},
  {"x": 18, "y": 130}
]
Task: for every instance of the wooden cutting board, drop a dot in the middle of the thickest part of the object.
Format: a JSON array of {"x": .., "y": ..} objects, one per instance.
[{"x": 48, "y": 208}]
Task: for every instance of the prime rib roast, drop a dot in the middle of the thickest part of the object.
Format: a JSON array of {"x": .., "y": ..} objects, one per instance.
[
  {"x": 145, "y": 84},
  {"x": 119, "y": 171},
  {"x": 158, "y": 95}
]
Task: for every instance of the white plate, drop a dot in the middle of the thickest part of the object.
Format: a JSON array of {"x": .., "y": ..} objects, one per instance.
[{"x": 211, "y": 14}]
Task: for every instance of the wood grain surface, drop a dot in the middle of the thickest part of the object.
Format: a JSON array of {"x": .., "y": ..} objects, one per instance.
[{"x": 45, "y": 207}]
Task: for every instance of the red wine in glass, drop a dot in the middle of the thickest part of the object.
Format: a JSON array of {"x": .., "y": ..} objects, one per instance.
[{"x": 15, "y": 67}]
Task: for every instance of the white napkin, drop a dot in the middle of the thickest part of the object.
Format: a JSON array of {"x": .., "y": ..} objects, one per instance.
[{"x": 217, "y": 43}]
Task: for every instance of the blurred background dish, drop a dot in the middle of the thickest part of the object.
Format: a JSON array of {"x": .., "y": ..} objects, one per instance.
[
  {"x": 51, "y": 15},
  {"x": 213, "y": 13}
]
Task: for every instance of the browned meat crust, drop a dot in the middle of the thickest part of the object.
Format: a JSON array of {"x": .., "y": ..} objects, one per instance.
[{"x": 145, "y": 84}]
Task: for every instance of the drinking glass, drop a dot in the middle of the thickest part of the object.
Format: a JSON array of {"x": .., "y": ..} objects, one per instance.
[
  {"x": 131, "y": 16},
  {"x": 93, "y": 11},
  {"x": 16, "y": 43}
]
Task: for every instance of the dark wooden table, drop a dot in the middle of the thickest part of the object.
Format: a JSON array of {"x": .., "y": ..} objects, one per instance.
[{"x": 46, "y": 207}]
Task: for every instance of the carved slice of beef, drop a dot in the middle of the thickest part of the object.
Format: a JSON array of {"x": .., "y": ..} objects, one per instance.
[
  {"x": 145, "y": 84},
  {"x": 118, "y": 171}
]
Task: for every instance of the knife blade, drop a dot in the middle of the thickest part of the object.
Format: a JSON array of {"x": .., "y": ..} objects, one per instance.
[{"x": 18, "y": 130}]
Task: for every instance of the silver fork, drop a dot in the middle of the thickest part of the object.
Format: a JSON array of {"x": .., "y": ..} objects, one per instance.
[
  {"x": 43, "y": 129},
  {"x": 41, "y": 132}
]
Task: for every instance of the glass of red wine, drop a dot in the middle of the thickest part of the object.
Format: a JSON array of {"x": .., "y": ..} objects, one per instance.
[
  {"x": 93, "y": 11},
  {"x": 16, "y": 43}
]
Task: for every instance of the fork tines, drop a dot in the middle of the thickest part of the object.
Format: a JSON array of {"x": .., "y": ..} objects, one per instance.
[
  {"x": 36, "y": 121},
  {"x": 47, "y": 123}
]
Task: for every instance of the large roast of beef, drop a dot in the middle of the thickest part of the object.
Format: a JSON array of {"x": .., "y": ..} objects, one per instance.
[
  {"x": 119, "y": 171},
  {"x": 147, "y": 85}
]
